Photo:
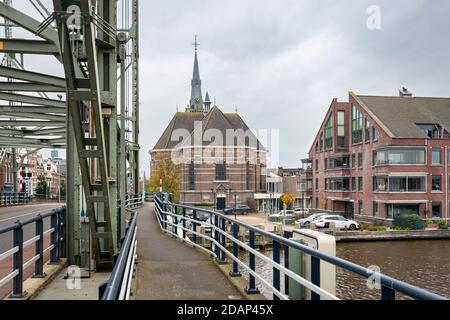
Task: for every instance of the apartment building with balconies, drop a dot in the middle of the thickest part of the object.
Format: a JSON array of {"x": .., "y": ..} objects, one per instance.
[{"x": 375, "y": 157}]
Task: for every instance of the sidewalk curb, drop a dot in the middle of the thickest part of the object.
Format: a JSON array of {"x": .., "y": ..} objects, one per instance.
[{"x": 33, "y": 287}]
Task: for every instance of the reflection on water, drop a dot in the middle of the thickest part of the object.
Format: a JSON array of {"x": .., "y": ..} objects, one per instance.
[{"x": 425, "y": 264}]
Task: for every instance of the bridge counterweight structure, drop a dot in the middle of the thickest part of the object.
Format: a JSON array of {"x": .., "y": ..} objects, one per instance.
[{"x": 92, "y": 124}]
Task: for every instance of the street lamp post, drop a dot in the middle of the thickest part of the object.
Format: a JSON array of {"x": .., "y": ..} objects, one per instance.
[
  {"x": 271, "y": 203},
  {"x": 48, "y": 187},
  {"x": 235, "y": 213},
  {"x": 213, "y": 191},
  {"x": 59, "y": 188},
  {"x": 303, "y": 201}
]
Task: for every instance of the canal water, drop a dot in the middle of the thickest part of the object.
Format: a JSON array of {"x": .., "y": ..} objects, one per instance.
[{"x": 425, "y": 264}]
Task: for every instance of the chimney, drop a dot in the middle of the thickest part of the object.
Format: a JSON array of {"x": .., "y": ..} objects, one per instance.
[{"x": 404, "y": 93}]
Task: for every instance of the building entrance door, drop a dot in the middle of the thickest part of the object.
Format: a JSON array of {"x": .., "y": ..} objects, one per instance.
[
  {"x": 349, "y": 210},
  {"x": 221, "y": 203}
]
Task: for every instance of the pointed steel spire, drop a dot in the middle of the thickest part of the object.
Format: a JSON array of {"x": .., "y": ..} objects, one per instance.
[
  {"x": 207, "y": 102},
  {"x": 196, "y": 101}
]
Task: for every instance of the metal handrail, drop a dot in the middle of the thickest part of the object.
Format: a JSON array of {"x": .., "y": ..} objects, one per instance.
[
  {"x": 119, "y": 277},
  {"x": 276, "y": 292},
  {"x": 389, "y": 285},
  {"x": 57, "y": 247},
  {"x": 118, "y": 286}
]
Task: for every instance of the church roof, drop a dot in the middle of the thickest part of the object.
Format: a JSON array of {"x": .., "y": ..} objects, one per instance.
[
  {"x": 214, "y": 121},
  {"x": 182, "y": 121},
  {"x": 187, "y": 124}
]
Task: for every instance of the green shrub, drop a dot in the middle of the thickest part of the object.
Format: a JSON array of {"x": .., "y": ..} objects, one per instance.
[
  {"x": 377, "y": 229},
  {"x": 400, "y": 228},
  {"x": 412, "y": 222},
  {"x": 442, "y": 225}
]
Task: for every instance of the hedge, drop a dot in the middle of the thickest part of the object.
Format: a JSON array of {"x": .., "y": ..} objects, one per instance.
[{"x": 412, "y": 222}]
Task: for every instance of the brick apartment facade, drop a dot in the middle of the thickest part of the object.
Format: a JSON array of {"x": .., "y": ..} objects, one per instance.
[
  {"x": 298, "y": 183},
  {"x": 6, "y": 173},
  {"x": 33, "y": 167},
  {"x": 375, "y": 157},
  {"x": 212, "y": 170},
  {"x": 294, "y": 181}
]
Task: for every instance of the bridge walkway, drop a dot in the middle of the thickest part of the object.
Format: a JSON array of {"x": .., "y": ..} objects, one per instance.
[{"x": 170, "y": 270}]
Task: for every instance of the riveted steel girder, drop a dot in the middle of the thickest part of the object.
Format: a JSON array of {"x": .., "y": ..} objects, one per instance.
[{"x": 26, "y": 46}]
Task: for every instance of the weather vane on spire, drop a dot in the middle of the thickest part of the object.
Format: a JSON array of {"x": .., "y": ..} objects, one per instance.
[{"x": 196, "y": 44}]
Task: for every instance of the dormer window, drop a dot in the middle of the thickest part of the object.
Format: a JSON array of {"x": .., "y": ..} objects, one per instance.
[
  {"x": 433, "y": 131},
  {"x": 357, "y": 125},
  {"x": 329, "y": 134}
]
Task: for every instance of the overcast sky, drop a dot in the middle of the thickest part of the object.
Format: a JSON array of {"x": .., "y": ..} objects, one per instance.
[{"x": 281, "y": 62}]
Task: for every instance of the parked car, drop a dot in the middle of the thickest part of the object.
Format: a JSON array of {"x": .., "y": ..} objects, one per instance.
[
  {"x": 306, "y": 222},
  {"x": 301, "y": 211},
  {"x": 284, "y": 214},
  {"x": 340, "y": 222},
  {"x": 239, "y": 209},
  {"x": 200, "y": 215}
]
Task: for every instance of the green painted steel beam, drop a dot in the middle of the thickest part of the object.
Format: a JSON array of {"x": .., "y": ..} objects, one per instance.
[
  {"x": 29, "y": 87},
  {"x": 21, "y": 140},
  {"x": 50, "y": 131},
  {"x": 8, "y": 133},
  {"x": 90, "y": 172},
  {"x": 30, "y": 76},
  {"x": 6, "y": 144},
  {"x": 14, "y": 142},
  {"x": 26, "y": 46},
  {"x": 54, "y": 138},
  {"x": 31, "y": 99},
  {"x": 28, "y": 23},
  {"x": 35, "y": 116},
  {"x": 26, "y": 123},
  {"x": 33, "y": 109}
]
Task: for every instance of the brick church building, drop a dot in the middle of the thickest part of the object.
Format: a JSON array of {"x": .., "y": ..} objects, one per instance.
[{"x": 219, "y": 159}]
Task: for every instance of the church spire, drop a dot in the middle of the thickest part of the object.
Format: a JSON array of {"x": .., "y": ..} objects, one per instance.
[
  {"x": 196, "y": 102},
  {"x": 207, "y": 102}
]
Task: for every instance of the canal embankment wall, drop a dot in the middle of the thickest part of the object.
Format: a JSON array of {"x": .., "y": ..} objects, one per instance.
[{"x": 364, "y": 236}]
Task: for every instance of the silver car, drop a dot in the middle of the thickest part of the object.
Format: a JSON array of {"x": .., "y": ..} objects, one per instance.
[{"x": 305, "y": 223}]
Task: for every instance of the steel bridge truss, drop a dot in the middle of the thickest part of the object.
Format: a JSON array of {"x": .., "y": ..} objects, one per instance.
[{"x": 99, "y": 131}]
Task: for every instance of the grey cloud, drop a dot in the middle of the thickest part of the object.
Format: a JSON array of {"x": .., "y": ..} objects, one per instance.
[{"x": 282, "y": 62}]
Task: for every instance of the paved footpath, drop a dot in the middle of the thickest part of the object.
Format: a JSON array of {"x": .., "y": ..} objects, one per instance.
[{"x": 171, "y": 270}]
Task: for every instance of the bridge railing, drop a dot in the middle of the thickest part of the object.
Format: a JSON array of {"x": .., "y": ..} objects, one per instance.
[
  {"x": 12, "y": 199},
  {"x": 182, "y": 222},
  {"x": 19, "y": 250},
  {"x": 150, "y": 196},
  {"x": 134, "y": 201},
  {"x": 118, "y": 287}
]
